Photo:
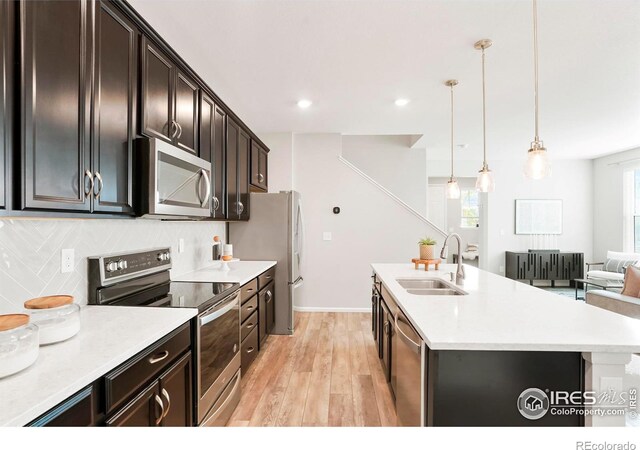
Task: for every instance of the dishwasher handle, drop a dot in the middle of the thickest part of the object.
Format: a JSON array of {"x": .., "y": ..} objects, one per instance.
[{"x": 401, "y": 327}]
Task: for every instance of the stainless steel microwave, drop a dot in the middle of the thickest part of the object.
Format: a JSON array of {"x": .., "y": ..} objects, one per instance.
[{"x": 171, "y": 183}]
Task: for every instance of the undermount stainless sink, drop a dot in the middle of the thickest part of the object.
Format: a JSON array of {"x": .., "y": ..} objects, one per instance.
[
  {"x": 447, "y": 291},
  {"x": 432, "y": 286},
  {"x": 422, "y": 284}
]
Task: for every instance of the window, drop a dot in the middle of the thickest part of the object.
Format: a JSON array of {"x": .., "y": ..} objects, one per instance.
[
  {"x": 470, "y": 210},
  {"x": 636, "y": 211}
]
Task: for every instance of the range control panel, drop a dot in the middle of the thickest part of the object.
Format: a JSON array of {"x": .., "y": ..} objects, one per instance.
[{"x": 117, "y": 265}]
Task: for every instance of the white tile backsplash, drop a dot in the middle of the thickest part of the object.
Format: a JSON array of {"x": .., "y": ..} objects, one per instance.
[{"x": 30, "y": 251}]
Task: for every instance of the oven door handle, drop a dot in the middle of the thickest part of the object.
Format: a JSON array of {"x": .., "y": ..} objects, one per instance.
[{"x": 217, "y": 311}]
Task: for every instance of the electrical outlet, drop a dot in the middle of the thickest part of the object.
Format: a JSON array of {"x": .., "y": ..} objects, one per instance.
[
  {"x": 67, "y": 256},
  {"x": 501, "y": 269},
  {"x": 326, "y": 236},
  {"x": 180, "y": 245}
]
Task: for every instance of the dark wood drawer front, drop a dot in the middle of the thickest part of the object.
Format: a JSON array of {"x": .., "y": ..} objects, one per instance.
[
  {"x": 249, "y": 350},
  {"x": 266, "y": 277},
  {"x": 248, "y": 308},
  {"x": 248, "y": 290},
  {"x": 124, "y": 381},
  {"x": 249, "y": 325}
]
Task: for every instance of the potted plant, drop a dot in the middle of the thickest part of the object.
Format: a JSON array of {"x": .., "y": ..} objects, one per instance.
[{"x": 426, "y": 248}]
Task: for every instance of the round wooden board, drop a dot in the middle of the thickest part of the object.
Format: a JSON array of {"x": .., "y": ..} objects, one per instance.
[
  {"x": 11, "y": 321},
  {"x": 52, "y": 301}
]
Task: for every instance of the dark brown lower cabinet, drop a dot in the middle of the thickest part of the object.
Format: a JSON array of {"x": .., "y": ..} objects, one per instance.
[
  {"x": 266, "y": 309},
  {"x": 167, "y": 401},
  {"x": 385, "y": 336}
]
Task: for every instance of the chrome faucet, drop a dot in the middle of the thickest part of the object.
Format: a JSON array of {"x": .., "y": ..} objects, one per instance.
[{"x": 460, "y": 271}]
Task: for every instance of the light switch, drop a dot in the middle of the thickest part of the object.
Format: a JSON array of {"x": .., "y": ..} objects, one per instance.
[
  {"x": 180, "y": 245},
  {"x": 326, "y": 236},
  {"x": 67, "y": 255}
]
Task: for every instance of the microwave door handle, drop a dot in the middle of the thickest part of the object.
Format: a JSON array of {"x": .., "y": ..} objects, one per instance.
[{"x": 207, "y": 194}]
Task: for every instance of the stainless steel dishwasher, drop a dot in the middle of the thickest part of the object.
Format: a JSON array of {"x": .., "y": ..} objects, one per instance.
[{"x": 407, "y": 364}]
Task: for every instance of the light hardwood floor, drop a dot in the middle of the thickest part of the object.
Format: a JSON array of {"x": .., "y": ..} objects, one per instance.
[{"x": 326, "y": 374}]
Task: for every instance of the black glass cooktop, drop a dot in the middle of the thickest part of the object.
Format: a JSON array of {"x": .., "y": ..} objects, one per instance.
[{"x": 158, "y": 291}]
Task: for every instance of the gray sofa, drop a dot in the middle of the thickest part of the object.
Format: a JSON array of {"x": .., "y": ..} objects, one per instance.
[{"x": 621, "y": 304}]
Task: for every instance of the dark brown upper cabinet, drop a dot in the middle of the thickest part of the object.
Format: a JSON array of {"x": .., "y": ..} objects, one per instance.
[
  {"x": 56, "y": 43},
  {"x": 258, "y": 166},
  {"x": 6, "y": 91},
  {"x": 169, "y": 100},
  {"x": 114, "y": 109},
  {"x": 213, "y": 121},
  {"x": 238, "y": 147}
]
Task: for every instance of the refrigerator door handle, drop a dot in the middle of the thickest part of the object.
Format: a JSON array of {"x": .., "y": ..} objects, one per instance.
[{"x": 300, "y": 226}]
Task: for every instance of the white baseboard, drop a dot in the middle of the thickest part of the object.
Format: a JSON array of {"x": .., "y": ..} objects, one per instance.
[{"x": 327, "y": 309}]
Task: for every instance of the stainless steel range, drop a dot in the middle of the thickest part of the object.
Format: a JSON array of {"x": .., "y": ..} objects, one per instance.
[{"x": 142, "y": 279}]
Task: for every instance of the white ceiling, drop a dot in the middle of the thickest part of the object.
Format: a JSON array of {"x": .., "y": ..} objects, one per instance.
[{"x": 354, "y": 58}]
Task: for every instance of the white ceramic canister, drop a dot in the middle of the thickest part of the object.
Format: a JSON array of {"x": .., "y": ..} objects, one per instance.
[
  {"x": 57, "y": 317},
  {"x": 19, "y": 346}
]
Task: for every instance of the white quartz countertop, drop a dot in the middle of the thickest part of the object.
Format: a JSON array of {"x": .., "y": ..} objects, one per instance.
[
  {"x": 239, "y": 272},
  {"x": 503, "y": 314},
  {"x": 109, "y": 336}
]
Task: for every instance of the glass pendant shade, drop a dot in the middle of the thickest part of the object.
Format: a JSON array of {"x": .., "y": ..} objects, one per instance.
[
  {"x": 453, "y": 190},
  {"x": 485, "y": 182},
  {"x": 538, "y": 165}
]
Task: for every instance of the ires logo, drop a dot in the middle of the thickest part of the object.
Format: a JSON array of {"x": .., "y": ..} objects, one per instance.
[{"x": 533, "y": 403}]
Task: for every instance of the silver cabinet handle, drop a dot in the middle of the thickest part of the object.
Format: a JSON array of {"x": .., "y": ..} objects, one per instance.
[
  {"x": 250, "y": 350},
  {"x": 240, "y": 207},
  {"x": 249, "y": 308},
  {"x": 165, "y": 394},
  {"x": 207, "y": 194},
  {"x": 88, "y": 174},
  {"x": 216, "y": 203},
  {"x": 159, "y": 357},
  {"x": 250, "y": 325},
  {"x": 260, "y": 177},
  {"x": 161, "y": 405},
  {"x": 269, "y": 295},
  {"x": 174, "y": 125},
  {"x": 179, "y": 130},
  {"x": 101, "y": 182}
]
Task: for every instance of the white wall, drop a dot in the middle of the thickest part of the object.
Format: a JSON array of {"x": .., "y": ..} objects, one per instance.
[
  {"x": 608, "y": 214},
  {"x": 393, "y": 163},
  {"x": 572, "y": 181},
  {"x": 370, "y": 228},
  {"x": 30, "y": 252},
  {"x": 280, "y": 170}
]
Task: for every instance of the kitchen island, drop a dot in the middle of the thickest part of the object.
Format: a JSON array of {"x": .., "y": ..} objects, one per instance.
[{"x": 481, "y": 350}]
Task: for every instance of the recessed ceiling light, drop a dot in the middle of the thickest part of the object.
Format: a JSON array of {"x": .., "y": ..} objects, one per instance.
[
  {"x": 304, "y": 104},
  {"x": 402, "y": 102}
]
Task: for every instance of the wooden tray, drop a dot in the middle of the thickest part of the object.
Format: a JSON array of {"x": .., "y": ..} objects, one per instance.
[{"x": 426, "y": 262}]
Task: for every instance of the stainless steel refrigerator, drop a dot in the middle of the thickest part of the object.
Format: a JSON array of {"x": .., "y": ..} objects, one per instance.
[{"x": 274, "y": 232}]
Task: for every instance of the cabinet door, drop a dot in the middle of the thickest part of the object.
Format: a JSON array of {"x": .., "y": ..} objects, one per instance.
[
  {"x": 263, "y": 169},
  {"x": 114, "y": 115},
  {"x": 233, "y": 132},
  {"x": 244, "y": 143},
  {"x": 271, "y": 308},
  {"x": 145, "y": 410},
  {"x": 255, "y": 163},
  {"x": 176, "y": 394},
  {"x": 56, "y": 44},
  {"x": 212, "y": 148},
  {"x": 6, "y": 89},
  {"x": 385, "y": 338},
  {"x": 258, "y": 166},
  {"x": 157, "y": 93},
  {"x": 186, "y": 113}
]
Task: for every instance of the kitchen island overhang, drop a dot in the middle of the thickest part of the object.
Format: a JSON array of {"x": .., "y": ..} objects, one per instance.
[{"x": 504, "y": 337}]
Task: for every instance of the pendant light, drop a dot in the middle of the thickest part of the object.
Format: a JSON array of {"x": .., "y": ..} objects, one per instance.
[
  {"x": 453, "y": 190},
  {"x": 484, "y": 182},
  {"x": 537, "y": 166}
]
